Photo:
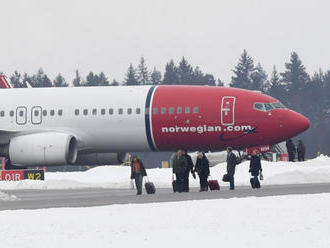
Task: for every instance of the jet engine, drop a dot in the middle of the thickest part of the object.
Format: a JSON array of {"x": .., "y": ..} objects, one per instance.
[{"x": 49, "y": 148}]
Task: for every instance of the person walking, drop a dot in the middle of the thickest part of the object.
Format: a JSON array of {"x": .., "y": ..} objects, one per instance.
[
  {"x": 290, "y": 147},
  {"x": 190, "y": 168},
  {"x": 202, "y": 167},
  {"x": 255, "y": 168},
  {"x": 137, "y": 173},
  {"x": 180, "y": 166},
  {"x": 301, "y": 150},
  {"x": 231, "y": 165}
]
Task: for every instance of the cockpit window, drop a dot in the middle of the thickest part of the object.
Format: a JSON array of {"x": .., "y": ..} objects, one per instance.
[
  {"x": 278, "y": 105},
  {"x": 268, "y": 106},
  {"x": 259, "y": 106}
]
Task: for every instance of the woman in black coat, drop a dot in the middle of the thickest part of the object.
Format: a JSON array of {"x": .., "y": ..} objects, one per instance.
[
  {"x": 255, "y": 168},
  {"x": 202, "y": 168}
]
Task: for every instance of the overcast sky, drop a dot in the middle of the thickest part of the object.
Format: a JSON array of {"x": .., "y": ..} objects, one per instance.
[{"x": 106, "y": 35}]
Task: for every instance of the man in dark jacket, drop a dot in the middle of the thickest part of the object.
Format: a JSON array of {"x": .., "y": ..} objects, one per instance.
[
  {"x": 202, "y": 168},
  {"x": 290, "y": 147},
  {"x": 301, "y": 150},
  {"x": 180, "y": 166},
  {"x": 231, "y": 164},
  {"x": 255, "y": 168},
  {"x": 190, "y": 168},
  {"x": 138, "y": 172}
]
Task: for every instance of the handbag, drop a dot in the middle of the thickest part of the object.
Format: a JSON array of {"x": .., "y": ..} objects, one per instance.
[
  {"x": 225, "y": 178},
  {"x": 261, "y": 176}
]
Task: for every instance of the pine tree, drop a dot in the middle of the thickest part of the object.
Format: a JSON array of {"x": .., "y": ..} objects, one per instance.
[
  {"x": 131, "y": 76},
  {"x": 220, "y": 83},
  {"x": 295, "y": 76},
  {"x": 277, "y": 89},
  {"x": 59, "y": 81},
  {"x": 243, "y": 71},
  {"x": 142, "y": 74},
  {"x": 17, "y": 80},
  {"x": 156, "y": 77},
  {"x": 41, "y": 79},
  {"x": 114, "y": 83},
  {"x": 77, "y": 82},
  {"x": 102, "y": 80},
  {"x": 186, "y": 73},
  {"x": 259, "y": 79},
  {"x": 171, "y": 75}
]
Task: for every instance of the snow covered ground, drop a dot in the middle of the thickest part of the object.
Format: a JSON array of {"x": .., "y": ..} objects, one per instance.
[
  {"x": 282, "y": 221},
  {"x": 313, "y": 171}
]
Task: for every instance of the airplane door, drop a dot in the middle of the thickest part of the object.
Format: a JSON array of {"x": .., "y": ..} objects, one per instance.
[
  {"x": 21, "y": 113},
  {"x": 228, "y": 110},
  {"x": 36, "y": 115}
]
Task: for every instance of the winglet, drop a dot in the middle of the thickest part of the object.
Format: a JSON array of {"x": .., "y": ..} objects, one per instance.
[{"x": 4, "y": 83}]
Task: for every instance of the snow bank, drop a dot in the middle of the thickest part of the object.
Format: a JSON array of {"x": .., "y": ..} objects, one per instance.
[
  {"x": 282, "y": 221},
  {"x": 7, "y": 197},
  {"x": 313, "y": 171}
]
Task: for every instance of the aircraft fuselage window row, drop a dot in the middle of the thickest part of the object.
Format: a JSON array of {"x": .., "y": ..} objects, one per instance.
[
  {"x": 111, "y": 111},
  {"x": 173, "y": 110}
]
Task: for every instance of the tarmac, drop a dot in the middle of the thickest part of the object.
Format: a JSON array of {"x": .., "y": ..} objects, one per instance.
[{"x": 89, "y": 197}]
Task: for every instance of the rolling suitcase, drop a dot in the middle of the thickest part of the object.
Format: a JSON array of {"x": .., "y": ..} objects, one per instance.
[
  {"x": 254, "y": 185},
  {"x": 213, "y": 184},
  {"x": 150, "y": 187}
]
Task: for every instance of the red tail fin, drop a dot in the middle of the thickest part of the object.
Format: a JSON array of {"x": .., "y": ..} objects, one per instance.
[{"x": 4, "y": 83}]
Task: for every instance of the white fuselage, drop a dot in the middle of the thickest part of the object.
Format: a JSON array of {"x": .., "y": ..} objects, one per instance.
[{"x": 104, "y": 128}]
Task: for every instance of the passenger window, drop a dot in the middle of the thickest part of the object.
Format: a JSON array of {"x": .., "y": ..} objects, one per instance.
[
  {"x": 102, "y": 111},
  {"x": 44, "y": 112},
  {"x": 85, "y": 112},
  {"x": 155, "y": 111},
  {"x": 179, "y": 110},
  {"x": 187, "y": 110},
  {"x": 60, "y": 112},
  {"x": 138, "y": 111},
  {"x": 163, "y": 110},
  {"x": 259, "y": 106},
  {"x": 11, "y": 113},
  {"x": 52, "y": 112},
  {"x": 171, "y": 110},
  {"x": 94, "y": 111},
  {"x": 120, "y": 111},
  {"x": 2, "y": 113},
  {"x": 268, "y": 106},
  {"x": 129, "y": 111},
  {"x": 196, "y": 110},
  {"x": 76, "y": 112},
  {"x": 111, "y": 111}
]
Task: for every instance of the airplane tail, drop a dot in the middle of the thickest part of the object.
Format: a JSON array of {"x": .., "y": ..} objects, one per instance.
[{"x": 4, "y": 83}]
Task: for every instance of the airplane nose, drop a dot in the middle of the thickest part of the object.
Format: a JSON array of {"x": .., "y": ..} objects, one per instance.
[{"x": 295, "y": 123}]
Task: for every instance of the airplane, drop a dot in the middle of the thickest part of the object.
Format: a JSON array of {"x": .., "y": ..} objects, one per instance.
[{"x": 84, "y": 125}]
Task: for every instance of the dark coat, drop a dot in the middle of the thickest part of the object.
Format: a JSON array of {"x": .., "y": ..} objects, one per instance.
[
  {"x": 202, "y": 166},
  {"x": 190, "y": 163},
  {"x": 231, "y": 164},
  {"x": 255, "y": 165},
  {"x": 143, "y": 170},
  {"x": 301, "y": 148},
  {"x": 180, "y": 164},
  {"x": 290, "y": 147}
]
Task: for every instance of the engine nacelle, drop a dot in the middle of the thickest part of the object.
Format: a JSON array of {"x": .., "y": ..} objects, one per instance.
[
  {"x": 102, "y": 158},
  {"x": 44, "y": 149}
]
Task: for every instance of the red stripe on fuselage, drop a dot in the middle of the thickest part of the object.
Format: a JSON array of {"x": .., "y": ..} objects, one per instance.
[{"x": 202, "y": 130}]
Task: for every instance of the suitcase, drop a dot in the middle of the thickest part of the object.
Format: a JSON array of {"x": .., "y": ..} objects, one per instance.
[
  {"x": 225, "y": 178},
  {"x": 213, "y": 184},
  {"x": 254, "y": 185},
  {"x": 150, "y": 187}
]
